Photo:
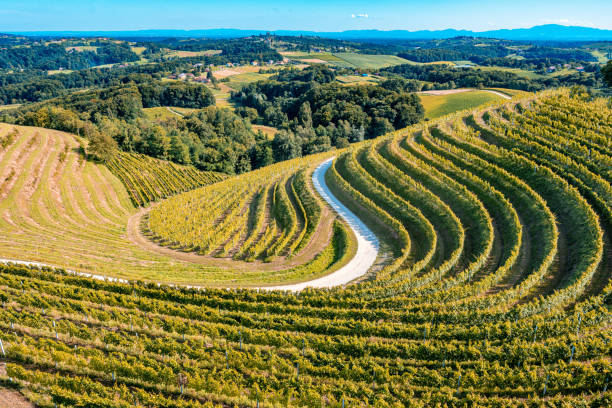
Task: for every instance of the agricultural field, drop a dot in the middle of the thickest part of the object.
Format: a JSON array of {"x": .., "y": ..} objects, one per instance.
[
  {"x": 166, "y": 112},
  {"x": 187, "y": 54},
  {"x": 347, "y": 59},
  {"x": 442, "y": 103},
  {"x": 63, "y": 210},
  {"x": 358, "y": 79},
  {"x": 237, "y": 81},
  {"x": 491, "y": 287},
  {"x": 368, "y": 61},
  {"x": 313, "y": 57},
  {"x": 266, "y": 130},
  {"x": 518, "y": 71}
]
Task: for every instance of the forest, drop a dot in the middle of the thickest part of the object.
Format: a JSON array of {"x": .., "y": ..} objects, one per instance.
[
  {"x": 442, "y": 76},
  {"x": 309, "y": 99},
  {"x": 55, "y": 56}
]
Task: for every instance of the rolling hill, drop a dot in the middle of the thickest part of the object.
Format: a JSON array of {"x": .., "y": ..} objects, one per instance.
[{"x": 491, "y": 287}]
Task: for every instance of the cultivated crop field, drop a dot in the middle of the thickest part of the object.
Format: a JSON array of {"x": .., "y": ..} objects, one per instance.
[
  {"x": 367, "y": 61},
  {"x": 442, "y": 103},
  {"x": 62, "y": 210},
  {"x": 492, "y": 287}
]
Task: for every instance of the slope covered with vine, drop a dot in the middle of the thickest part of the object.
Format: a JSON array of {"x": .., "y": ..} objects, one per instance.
[{"x": 496, "y": 291}]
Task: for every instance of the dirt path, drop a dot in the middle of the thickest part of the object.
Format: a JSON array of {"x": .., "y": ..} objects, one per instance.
[
  {"x": 175, "y": 112},
  {"x": 366, "y": 254},
  {"x": 498, "y": 94},
  {"x": 367, "y": 243},
  {"x": 13, "y": 399}
]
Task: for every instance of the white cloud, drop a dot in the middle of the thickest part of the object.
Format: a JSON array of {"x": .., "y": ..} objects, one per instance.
[
  {"x": 557, "y": 21},
  {"x": 567, "y": 21},
  {"x": 360, "y": 15}
]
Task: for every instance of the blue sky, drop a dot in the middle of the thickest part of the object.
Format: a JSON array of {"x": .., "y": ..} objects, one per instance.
[{"x": 318, "y": 15}]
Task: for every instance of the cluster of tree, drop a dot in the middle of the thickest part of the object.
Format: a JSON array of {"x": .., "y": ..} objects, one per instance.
[
  {"x": 37, "y": 85},
  {"x": 55, "y": 56},
  {"x": 453, "y": 54},
  {"x": 478, "y": 50},
  {"x": 532, "y": 64},
  {"x": 243, "y": 50},
  {"x": 566, "y": 55},
  {"x": 606, "y": 71},
  {"x": 315, "y": 73},
  {"x": 288, "y": 103},
  {"x": 126, "y": 101},
  {"x": 447, "y": 77}
]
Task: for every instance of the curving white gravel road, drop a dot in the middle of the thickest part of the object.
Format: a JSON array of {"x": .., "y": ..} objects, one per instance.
[
  {"x": 367, "y": 246},
  {"x": 367, "y": 243}
]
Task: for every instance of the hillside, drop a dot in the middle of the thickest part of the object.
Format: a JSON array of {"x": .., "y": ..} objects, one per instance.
[
  {"x": 491, "y": 288},
  {"x": 65, "y": 211}
]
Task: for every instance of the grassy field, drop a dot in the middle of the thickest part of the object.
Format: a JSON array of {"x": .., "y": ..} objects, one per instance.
[
  {"x": 222, "y": 95},
  {"x": 520, "y": 72},
  {"x": 367, "y": 61},
  {"x": 358, "y": 79},
  {"x": 440, "y": 105},
  {"x": 185, "y": 54},
  {"x": 164, "y": 112},
  {"x": 511, "y": 92},
  {"x": 601, "y": 56},
  {"x": 138, "y": 50},
  {"x": 59, "y": 71},
  {"x": 266, "y": 130},
  {"x": 236, "y": 82},
  {"x": 12, "y": 106}
]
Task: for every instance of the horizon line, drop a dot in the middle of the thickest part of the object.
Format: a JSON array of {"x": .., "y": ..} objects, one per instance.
[{"x": 293, "y": 30}]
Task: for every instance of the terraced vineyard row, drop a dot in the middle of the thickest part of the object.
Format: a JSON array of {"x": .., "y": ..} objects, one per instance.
[
  {"x": 62, "y": 210},
  {"x": 495, "y": 290},
  {"x": 148, "y": 179},
  {"x": 255, "y": 217}
]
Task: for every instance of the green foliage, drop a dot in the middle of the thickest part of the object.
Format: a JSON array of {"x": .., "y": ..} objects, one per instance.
[
  {"x": 606, "y": 70},
  {"x": 101, "y": 146},
  {"x": 289, "y": 101}
]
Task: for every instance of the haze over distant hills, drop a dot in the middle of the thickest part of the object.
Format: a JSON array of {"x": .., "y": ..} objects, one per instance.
[{"x": 549, "y": 32}]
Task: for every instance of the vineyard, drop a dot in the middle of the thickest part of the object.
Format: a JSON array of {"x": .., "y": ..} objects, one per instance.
[
  {"x": 62, "y": 210},
  {"x": 492, "y": 287},
  {"x": 148, "y": 179}
]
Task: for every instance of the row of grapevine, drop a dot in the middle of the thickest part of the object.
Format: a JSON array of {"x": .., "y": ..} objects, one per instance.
[{"x": 492, "y": 289}]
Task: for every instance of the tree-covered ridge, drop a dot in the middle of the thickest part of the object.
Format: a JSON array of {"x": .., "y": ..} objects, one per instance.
[
  {"x": 54, "y": 56},
  {"x": 210, "y": 139},
  {"x": 446, "y": 76},
  {"x": 309, "y": 99}
]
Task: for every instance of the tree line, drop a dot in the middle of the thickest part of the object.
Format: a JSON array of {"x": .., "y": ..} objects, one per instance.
[
  {"x": 315, "y": 113},
  {"x": 55, "y": 56},
  {"x": 442, "y": 76}
]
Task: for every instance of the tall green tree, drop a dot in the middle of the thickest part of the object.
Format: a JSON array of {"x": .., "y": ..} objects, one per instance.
[
  {"x": 101, "y": 146},
  {"x": 606, "y": 71}
]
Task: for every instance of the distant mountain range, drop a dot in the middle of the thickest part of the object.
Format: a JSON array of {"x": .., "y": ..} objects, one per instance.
[{"x": 549, "y": 32}]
